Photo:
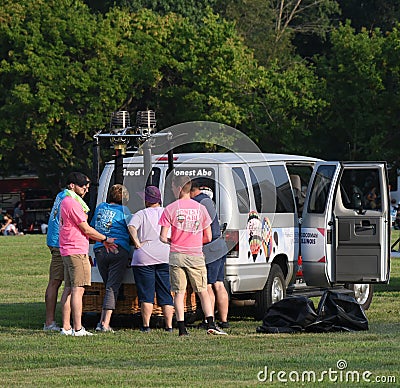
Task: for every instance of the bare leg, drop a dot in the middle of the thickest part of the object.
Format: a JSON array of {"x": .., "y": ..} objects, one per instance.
[
  {"x": 168, "y": 312},
  {"x": 106, "y": 318},
  {"x": 211, "y": 294},
  {"x": 146, "y": 309},
  {"x": 66, "y": 308},
  {"x": 205, "y": 303},
  {"x": 76, "y": 306},
  {"x": 51, "y": 300},
  {"x": 179, "y": 306},
  {"x": 222, "y": 299}
]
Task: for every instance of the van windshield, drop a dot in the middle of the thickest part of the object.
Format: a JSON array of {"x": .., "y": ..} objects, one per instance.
[
  {"x": 204, "y": 174},
  {"x": 134, "y": 180}
]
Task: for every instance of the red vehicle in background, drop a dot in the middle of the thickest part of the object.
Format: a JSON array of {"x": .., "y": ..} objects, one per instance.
[{"x": 36, "y": 201}]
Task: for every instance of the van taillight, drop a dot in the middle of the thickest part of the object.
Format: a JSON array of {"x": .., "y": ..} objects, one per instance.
[{"x": 232, "y": 241}]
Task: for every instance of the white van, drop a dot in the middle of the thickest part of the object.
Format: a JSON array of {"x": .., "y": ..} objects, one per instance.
[{"x": 292, "y": 223}]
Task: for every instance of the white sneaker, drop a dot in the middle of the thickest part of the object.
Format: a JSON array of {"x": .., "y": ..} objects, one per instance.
[
  {"x": 216, "y": 331},
  {"x": 67, "y": 332},
  {"x": 52, "y": 327},
  {"x": 82, "y": 332}
]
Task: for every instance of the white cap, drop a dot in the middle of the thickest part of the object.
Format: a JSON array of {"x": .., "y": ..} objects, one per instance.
[{"x": 207, "y": 191}]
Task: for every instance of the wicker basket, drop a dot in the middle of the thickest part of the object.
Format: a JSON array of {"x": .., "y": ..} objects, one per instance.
[{"x": 127, "y": 302}]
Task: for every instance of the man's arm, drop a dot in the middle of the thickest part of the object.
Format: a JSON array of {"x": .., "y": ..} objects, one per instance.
[
  {"x": 164, "y": 235},
  {"x": 207, "y": 235},
  {"x": 95, "y": 235}
]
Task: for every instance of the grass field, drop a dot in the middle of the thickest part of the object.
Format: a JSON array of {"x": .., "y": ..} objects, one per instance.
[{"x": 128, "y": 358}]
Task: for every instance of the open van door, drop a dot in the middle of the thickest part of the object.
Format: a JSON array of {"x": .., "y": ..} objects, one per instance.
[{"x": 345, "y": 231}]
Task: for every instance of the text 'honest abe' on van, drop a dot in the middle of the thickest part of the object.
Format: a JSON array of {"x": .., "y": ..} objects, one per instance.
[{"x": 292, "y": 224}]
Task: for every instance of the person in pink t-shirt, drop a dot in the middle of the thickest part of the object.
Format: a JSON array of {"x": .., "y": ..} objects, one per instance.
[
  {"x": 189, "y": 223},
  {"x": 74, "y": 237}
]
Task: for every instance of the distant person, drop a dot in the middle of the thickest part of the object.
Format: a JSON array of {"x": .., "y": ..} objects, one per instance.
[
  {"x": 44, "y": 227},
  {"x": 74, "y": 247},
  {"x": 189, "y": 224},
  {"x": 372, "y": 199},
  {"x": 150, "y": 260},
  {"x": 56, "y": 270},
  {"x": 18, "y": 215},
  {"x": 215, "y": 254},
  {"x": 11, "y": 229},
  {"x": 393, "y": 211},
  {"x": 8, "y": 228},
  {"x": 111, "y": 219}
]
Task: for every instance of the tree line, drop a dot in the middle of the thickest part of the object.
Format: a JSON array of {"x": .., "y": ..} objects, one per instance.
[{"x": 311, "y": 77}]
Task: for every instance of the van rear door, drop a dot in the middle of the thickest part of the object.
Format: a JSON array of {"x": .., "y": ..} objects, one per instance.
[{"x": 346, "y": 216}]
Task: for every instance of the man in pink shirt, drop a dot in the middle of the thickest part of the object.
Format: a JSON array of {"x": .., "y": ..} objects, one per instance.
[
  {"x": 189, "y": 222},
  {"x": 74, "y": 247}
]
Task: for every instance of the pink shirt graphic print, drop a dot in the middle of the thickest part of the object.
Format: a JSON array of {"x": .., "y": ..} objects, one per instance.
[{"x": 187, "y": 220}]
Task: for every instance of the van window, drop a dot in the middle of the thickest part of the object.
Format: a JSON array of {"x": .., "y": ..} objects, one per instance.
[
  {"x": 135, "y": 182},
  {"x": 242, "y": 193},
  {"x": 284, "y": 195},
  {"x": 272, "y": 192},
  {"x": 320, "y": 189},
  {"x": 360, "y": 188},
  {"x": 204, "y": 174},
  {"x": 299, "y": 175}
]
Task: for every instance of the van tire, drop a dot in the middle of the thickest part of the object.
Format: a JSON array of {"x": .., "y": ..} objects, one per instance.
[
  {"x": 363, "y": 294},
  {"x": 273, "y": 291}
]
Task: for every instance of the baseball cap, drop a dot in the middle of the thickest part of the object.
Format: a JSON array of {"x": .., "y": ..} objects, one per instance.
[
  {"x": 77, "y": 178},
  {"x": 151, "y": 194}
]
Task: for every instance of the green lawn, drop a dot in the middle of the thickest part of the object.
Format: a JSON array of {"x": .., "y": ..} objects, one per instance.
[{"x": 128, "y": 358}]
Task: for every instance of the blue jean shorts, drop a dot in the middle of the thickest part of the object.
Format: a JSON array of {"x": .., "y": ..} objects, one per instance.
[
  {"x": 153, "y": 279},
  {"x": 216, "y": 270}
]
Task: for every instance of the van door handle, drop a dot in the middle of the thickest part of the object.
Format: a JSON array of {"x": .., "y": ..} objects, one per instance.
[{"x": 364, "y": 226}]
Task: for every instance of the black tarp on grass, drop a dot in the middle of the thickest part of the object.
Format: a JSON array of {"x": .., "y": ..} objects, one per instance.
[{"x": 336, "y": 312}]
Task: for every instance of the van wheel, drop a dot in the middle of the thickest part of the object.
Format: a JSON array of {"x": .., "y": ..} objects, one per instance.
[
  {"x": 363, "y": 294},
  {"x": 273, "y": 291}
]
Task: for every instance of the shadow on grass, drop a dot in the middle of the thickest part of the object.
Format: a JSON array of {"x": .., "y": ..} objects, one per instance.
[{"x": 31, "y": 316}]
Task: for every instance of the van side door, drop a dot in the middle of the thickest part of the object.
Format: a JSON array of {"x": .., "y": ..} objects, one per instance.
[{"x": 348, "y": 203}]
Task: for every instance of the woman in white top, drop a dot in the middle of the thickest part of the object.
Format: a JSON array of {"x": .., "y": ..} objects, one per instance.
[{"x": 150, "y": 259}]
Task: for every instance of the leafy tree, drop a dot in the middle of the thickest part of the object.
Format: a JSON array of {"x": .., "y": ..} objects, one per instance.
[
  {"x": 287, "y": 104},
  {"x": 211, "y": 76},
  {"x": 362, "y": 76},
  {"x": 269, "y": 26},
  {"x": 382, "y": 14},
  {"x": 194, "y": 10},
  {"x": 63, "y": 71}
]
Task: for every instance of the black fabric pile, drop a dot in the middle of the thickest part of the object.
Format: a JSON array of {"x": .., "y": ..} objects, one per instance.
[{"x": 336, "y": 312}]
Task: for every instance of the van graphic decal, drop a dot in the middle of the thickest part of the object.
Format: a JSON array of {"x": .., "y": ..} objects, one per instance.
[
  {"x": 266, "y": 234},
  {"x": 254, "y": 228}
]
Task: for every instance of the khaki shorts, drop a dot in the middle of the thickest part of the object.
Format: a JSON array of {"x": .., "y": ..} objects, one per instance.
[
  {"x": 56, "y": 271},
  {"x": 77, "y": 270},
  {"x": 179, "y": 274}
]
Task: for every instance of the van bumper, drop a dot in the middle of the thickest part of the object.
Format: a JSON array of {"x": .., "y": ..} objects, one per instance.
[{"x": 246, "y": 277}]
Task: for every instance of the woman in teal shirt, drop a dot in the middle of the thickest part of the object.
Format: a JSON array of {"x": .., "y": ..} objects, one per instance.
[{"x": 111, "y": 219}]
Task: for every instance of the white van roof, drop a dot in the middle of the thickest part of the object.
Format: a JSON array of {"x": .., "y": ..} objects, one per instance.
[{"x": 224, "y": 157}]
